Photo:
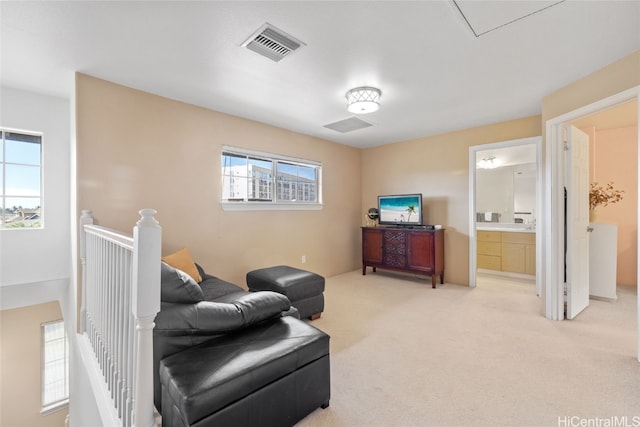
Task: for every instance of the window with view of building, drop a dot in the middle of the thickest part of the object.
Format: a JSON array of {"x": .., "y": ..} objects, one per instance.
[
  {"x": 20, "y": 180},
  {"x": 55, "y": 366},
  {"x": 260, "y": 178}
]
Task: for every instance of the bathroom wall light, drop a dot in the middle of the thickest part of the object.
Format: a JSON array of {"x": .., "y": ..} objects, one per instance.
[{"x": 363, "y": 100}]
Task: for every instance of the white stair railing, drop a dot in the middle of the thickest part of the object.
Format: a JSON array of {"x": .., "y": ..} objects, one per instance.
[{"x": 120, "y": 299}]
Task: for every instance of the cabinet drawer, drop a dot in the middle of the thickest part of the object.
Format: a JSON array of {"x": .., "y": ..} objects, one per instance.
[
  {"x": 489, "y": 248},
  {"x": 489, "y": 262},
  {"x": 489, "y": 236},
  {"x": 526, "y": 238}
]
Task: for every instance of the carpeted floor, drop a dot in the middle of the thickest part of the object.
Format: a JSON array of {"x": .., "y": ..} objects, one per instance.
[{"x": 403, "y": 354}]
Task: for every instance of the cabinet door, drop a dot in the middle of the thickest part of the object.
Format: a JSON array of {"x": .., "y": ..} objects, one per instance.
[
  {"x": 395, "y": 248},
  {"x": 530, "y": 259},
  {"x": 421, "y": 246},
  {"x": 513, "y": 257},
  {"x": 372, "y": 246}
]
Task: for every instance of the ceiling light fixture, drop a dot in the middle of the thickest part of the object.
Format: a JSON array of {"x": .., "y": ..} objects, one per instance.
[
  {"x": 363, "y": 100},
  {"x": 488, "y": 163}
]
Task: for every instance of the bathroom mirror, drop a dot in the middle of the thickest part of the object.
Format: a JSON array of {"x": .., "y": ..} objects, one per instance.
[{"x": 506, "y": 185}]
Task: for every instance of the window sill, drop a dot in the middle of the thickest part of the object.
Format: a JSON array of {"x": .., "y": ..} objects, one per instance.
[
  {"x": 260, "y": 206},
  {"x": 55, "y": 407},
  {"x": 21, "y": 228}
]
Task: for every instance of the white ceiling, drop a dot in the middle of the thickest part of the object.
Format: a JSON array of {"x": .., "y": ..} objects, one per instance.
[{"x": 435, "y": 74}]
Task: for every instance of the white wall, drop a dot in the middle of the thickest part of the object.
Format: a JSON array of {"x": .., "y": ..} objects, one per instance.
[
  {"x": 35, "y": 265},
  {"x": 40, "y": 255}
]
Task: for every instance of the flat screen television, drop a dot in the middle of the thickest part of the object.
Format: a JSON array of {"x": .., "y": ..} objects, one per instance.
[{"x": 400, "y": 209}]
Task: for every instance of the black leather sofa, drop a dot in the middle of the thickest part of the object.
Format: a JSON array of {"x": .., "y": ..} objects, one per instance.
[{"x": 223, "y": 355}]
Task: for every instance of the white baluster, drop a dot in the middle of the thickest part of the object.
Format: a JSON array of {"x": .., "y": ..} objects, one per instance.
[
  {"x": 130, "y": 344},
  {"x": 120, "y": 328}
]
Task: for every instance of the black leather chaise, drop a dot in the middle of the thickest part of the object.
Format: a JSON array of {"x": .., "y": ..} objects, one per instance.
[{"x": 225, "y": 356}]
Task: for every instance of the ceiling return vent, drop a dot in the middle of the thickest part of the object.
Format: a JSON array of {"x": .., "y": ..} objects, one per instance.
[
  {"x": 348, "y": 125},
  {"x": 272, "y": 43}
]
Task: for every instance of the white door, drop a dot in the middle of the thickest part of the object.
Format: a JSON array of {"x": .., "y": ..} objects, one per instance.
[{"x": 577, "y": 225}]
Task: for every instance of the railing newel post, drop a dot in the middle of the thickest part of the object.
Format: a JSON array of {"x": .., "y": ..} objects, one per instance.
[
  {"x": 145, "y": 305},
  {"x": 85, "y": 219}
]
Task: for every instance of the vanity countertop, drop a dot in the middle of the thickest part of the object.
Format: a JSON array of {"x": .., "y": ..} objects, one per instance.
[{"x": 497, "y": 226}]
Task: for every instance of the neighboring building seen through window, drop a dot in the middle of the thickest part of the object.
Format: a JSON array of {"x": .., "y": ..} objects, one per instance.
[
  {"x": 20, "y": 180},
  {"x": 55, "y": 366},
  {"x": 268, "y": 178}
]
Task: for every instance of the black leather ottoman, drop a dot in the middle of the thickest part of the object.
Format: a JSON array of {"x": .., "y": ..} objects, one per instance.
[
  {"x": 273, "y": 374},
  {"x": 303, "y": 288}
]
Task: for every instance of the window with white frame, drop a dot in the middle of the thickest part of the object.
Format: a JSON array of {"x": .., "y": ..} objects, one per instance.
[
  {"x": 269, "y": 180},
  {"x": 20, "y": 180},
  {"x": 55, "y": 366}
]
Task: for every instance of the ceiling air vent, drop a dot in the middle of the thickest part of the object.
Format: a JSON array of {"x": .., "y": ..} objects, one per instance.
[
  {"x": 348, "y": 125},
  {"x": 272, "y": 43}
]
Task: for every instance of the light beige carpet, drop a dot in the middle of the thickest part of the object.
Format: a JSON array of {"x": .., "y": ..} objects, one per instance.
[{"x": 403, "y": 354}]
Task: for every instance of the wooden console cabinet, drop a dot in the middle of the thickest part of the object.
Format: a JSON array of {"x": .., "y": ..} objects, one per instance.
[{"x": 411, "y": 250}]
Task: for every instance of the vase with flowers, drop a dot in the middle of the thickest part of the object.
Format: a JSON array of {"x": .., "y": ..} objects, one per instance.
[{"x": 602, "y": 196}]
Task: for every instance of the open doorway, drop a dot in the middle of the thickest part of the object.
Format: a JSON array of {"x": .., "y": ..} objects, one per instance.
[
  {"x": 505, "y": 199},
  {"x": 613, "y": 166},
  {"x": 554, "y": 221}
]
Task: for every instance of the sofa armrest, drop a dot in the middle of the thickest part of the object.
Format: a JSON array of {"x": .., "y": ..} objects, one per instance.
[
  {"x": 210, "y": 318},
  {"x": 258, "y": 306}
]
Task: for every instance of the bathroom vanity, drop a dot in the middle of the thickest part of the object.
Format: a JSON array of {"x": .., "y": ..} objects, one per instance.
[{"x": 507, "y": 249}]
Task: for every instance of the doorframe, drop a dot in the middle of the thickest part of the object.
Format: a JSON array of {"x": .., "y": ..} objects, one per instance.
[
  {"x": 553, "y": 224},
  {"x": 473, "y": 150}
]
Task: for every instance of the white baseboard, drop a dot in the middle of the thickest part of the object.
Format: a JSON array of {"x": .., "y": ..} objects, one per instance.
[{"x": 507, "y": 274}]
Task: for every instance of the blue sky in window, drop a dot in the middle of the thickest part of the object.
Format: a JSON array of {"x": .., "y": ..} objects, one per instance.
[
  {"x": 22, "y": 174},
  {"x": 229, "y": 160}
]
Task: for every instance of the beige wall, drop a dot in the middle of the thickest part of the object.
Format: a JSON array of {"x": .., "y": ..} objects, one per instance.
[
  {"x": 614, "y": 78},
  {"x": 20, "y": 366},
  {"x": 614, "y": 157},
  {"x": 138, "y": 150},
  {"x": 438, "y": 167}
]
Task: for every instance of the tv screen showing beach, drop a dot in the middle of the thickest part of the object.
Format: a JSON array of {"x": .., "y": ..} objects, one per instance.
[{"x": 400, "y": 209}]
